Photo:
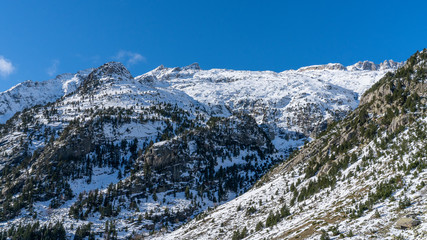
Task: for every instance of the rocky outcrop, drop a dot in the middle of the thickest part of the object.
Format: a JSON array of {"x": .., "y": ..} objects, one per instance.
[
  {"x": 365, "y": 65},
  {"x": 162, "y": 154},
  {"x": 193, "y": 66},
  {"x": 112, "y": 71},
  {"x": 398, "y": 122},
  {"x": 330, "y": 66},
  {"x": 359, "y": 66},
  {"x": 407, "y": 222},
  {"x": 390, "y": 64}
]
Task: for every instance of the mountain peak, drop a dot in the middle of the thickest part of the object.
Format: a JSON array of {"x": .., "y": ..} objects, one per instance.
[
  {"x": 108, "y": 72},
  {"x": 112, "y": 68},
  {"x": 365, "y": 65},
  {"x": 159, "y": 68},
  {"x": 193, "y": 66},
  {"x": 371, "y": 66},
  {"x": 390, "y": 64}
]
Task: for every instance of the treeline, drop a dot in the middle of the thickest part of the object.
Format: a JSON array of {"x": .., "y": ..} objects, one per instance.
[{"x": 35, "y": 232}]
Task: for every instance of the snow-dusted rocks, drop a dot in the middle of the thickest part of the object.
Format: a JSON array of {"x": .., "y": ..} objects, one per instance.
[
  {"x": 330, "y": 66},
  {"x": 359, "y": 66},
  {"x": 29, "y": 93}
]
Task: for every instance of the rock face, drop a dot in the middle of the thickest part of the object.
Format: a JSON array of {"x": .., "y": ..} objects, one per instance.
[
  {"x": 407, "y": 222},
  {"x": 161, "y": 155},
  {"x": 107, "y": 73},
  {"x": 390, "y": 64},
  {"x": 365, "y": 65}
]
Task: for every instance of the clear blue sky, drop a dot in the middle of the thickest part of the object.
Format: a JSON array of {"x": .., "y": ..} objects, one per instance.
[{"x": 40, "y": 39}]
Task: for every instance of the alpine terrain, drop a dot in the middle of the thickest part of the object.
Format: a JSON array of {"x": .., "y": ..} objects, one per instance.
[
  {"x": 186, "y": 153},
  {"x": 362, "y": 178}
]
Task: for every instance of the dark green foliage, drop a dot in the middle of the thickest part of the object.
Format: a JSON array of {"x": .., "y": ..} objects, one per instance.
[
  {"x": 110, "y": 230},
  {"x": 35, "y": 232},
  {"x": 377, "y": 214},
  {"x": 50, "y": 181},
  {"x": 383, "y": 190},
  {"x": 324, "y": 236},
  {"x": 404, "y": 202},
  {"x": 187, "y": 192},
  {"x": 95, "y": 201},
  {"x": 284, "y": 211},
  {"x": 214, "y": 143},
  {"x": 84, "y": 231},
  {"x": 212, "y": 121},
  {"x": 259, "y": 226},
  {"x": 273, "y": 219},
  {"x": 251, "y": 210},
  {"x": 237, "y": 235},
  {"x": 388, "y": 117},
  {"x": 363, "y": 116},
  {"x": 334, "y": 230},
  {"x": 315, "y": 186}
]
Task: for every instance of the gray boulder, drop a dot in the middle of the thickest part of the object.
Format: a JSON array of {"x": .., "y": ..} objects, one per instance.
[{"x": 408, "y": 221}]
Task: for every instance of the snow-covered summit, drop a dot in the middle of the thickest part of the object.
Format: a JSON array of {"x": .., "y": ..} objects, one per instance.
[
  {"x": 329, "y": 66},
  {"x": 110, "y": 70},
  {"x": 266, "y": 95},
  {"x": 390, "y": 64},
  {"x": 31, "y": 93},
  {"x": 359, "y": 66},
  {"x": 283, "y": 98},
  {"x": 194, "y": 66},
  {"x": 165, "y": 73}
]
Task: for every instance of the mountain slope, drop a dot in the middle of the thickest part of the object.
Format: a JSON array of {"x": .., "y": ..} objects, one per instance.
[
  {"x": 29, "y": 93},
  {"x": 362, "y": 178},
  {"x": 286, "y": 102},
  {"x": 149, "y": 153}
]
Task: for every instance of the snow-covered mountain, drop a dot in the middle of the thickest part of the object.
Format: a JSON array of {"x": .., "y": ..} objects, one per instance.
[
  {"x": 146, "y": 153},
  {"x": 29, "y": 93},
  {"x": 363, "y": 178},
  {"x": 290, "y": 101}
]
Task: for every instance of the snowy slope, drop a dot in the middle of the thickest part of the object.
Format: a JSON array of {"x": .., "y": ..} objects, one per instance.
[
  {"x": 330, "y": 207},
  {"x": 361, "y": 179},
  {"x": 285, "y": 103},
  {"x": 94, "y": 111},
  {"x": 29, "y": 93},
  {"x": 289, "y": 102}
]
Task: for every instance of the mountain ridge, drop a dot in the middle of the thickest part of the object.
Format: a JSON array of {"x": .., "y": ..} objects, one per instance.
[
  {"x": 52, "y": 91},
  {"x": 359, "y": 66}
]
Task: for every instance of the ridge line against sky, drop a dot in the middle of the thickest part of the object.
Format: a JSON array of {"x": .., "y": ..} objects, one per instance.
[{"x": 42, "y": 39}]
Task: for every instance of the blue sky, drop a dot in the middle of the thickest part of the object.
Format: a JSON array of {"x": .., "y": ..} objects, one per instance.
[{"x": 40, "y": 39}]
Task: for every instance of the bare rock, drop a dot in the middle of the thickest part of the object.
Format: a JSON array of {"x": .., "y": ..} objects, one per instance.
[
  {"x": 398, "y": 122},
  {"x": 406, "y": 222}
]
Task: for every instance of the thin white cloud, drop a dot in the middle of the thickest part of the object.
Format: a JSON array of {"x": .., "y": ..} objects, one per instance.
[
  {"x": 52, "y": 69},
  {"x": 6, "y": 67},
  {"x": 129, "y": 58}
]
